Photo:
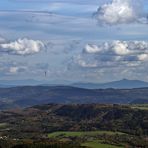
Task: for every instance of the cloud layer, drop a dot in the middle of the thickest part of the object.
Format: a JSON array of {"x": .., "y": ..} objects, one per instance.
[
  {"x": 119, "y": 48},
  {"x": 63, "y": 28},
  {"x": 115, "y": 53},
  {"x": 22, "y": 47},
  {"x": 121, "y": 12}
]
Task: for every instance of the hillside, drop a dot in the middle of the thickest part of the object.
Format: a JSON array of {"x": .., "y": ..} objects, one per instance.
[
  {"x": 117, "y": 125},
  {"x": 33, "y": 95}
]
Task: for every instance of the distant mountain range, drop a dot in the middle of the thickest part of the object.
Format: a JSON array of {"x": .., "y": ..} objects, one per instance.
[
  {"x": 32, "y": 82},
  {"x": 32, "y": 95},
  {"x": 24, "y": 93},
  {"x": 121, "y": 84},
  {"x": 14, "y": 83}
]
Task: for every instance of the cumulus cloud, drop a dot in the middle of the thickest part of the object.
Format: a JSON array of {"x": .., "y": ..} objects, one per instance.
[
  {"x": 113, "y": 54},
  {"x": 121, "y": 12},
  {"x": 14, "y": 69},
  {"x": 8, "y": 68},
  {"x": 22, "y": 47},
  {"x": 143, "y": 57},
  {"x": 120, "y": 48},
  {"x": 85, "y": 62},
  {"x": 89, "y": 48}
]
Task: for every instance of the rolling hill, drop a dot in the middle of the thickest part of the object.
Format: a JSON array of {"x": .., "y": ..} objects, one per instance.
[{"x": 33, "y": 95}]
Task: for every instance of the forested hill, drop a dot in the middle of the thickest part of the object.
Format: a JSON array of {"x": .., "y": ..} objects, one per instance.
[
  {"x": 77, "y": 124},
  {"x": 85, "y": 117},
  {"x": 33, "y": 95}
]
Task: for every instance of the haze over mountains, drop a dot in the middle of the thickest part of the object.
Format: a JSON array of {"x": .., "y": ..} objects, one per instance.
[
  {"x": 24, "y": 93},
  {"x": 32, "y": 95},
  {"x": 121, "y": 84}
]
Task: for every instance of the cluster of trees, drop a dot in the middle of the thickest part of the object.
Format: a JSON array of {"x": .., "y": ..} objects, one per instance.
[
  {"x": 51, "y": 118},
  {"x": 126, "y": 140},
  {"x": 104, "y": 117},
  {"x": 34, "y": 144}
]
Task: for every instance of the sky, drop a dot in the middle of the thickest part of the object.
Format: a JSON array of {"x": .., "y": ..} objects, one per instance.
[{"x": 74, "y": 40}]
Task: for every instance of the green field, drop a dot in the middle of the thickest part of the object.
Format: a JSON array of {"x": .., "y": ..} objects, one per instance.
[
  {"x": 80, "y": 134},
  {"x": 3, "y": 125},
  {"x": 91, "y": 144},
  {"x": 140, "y": 106},
  {"x": 97, "y": 144}
]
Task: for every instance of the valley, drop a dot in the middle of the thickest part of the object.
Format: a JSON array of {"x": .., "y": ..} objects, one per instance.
[{"x": 78, "y": 125}]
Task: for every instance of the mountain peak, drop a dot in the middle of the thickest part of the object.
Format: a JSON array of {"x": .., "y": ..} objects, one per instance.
[
  {"x": 125, "y": 79},
  {"x": 121, "y": 84}
]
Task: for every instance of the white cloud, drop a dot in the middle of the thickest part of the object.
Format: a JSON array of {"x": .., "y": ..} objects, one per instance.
[
  {"x": 113, "y": 54},
  {"x": 84, "y": 63},
  {"x": 13, "y": 70},
  {"x": 92, "y": 48},
  {"x": 121, "y": 12},
  {"x": 10, "y": 67},
  {"x": 119, "y": 48},
  {"x": 22, "y": 47},
  {"x": 143, "y": 57}
]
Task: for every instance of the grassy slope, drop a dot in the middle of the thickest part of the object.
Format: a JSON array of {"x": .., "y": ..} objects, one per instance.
[
  {"x": 140, "y": 106},
  {"x": 79, "y": 134},
  {"x": 97, "y": 144},
  {"x": 91, "y": 144},
  {"x": 3, "y": 125}
]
